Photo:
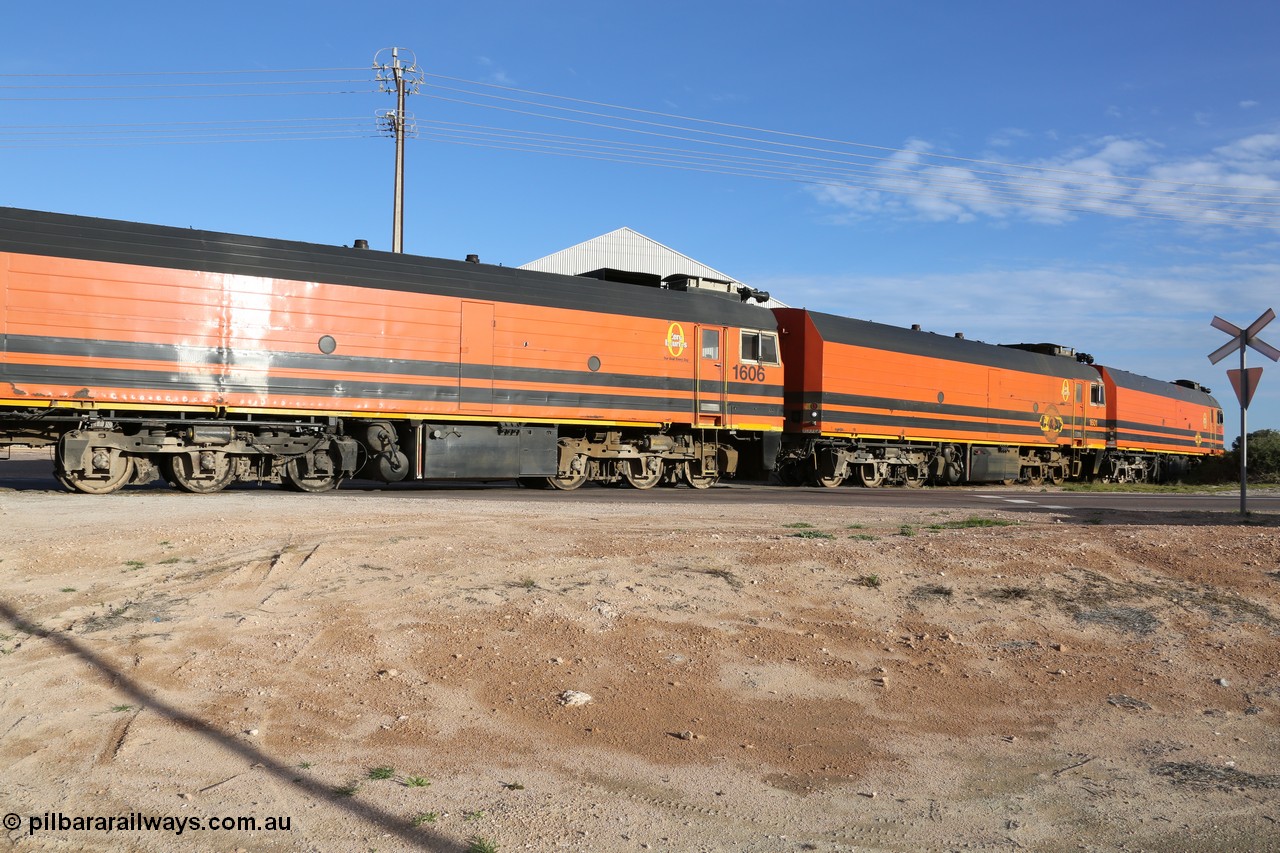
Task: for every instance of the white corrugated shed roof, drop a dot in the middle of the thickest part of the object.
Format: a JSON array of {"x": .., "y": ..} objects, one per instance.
[{"x": 625, "y": 249}]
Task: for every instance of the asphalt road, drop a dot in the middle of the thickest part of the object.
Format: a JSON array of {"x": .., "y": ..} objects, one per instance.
[{"x": 35, "y": 474}]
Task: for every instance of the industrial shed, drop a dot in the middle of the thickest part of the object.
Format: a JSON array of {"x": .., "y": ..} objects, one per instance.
[{"x": 625, "y": 254}]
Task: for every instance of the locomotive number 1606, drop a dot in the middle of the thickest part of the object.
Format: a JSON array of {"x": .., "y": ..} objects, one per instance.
[{"x": 748, "y": 373}]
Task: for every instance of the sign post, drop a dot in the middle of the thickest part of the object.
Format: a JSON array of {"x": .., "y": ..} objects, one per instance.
[{"x": 1244, "y": 380}]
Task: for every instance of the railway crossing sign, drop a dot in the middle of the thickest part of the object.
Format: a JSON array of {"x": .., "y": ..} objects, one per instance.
[
  {"x": 1241, "y": 338},
  {"x": 1244, "y": 380}
]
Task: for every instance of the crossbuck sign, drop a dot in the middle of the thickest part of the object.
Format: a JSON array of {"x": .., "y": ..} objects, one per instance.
[{"x": 1244, "y": 380}]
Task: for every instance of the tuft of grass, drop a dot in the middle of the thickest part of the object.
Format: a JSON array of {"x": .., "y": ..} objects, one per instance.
[
  {"x": 417, "y": 782},
  {"x": 473, "y": 816},
  {"x": 382, "y": 772},
  {"x": 811, "y": 534},
  {"x": 480, "y": 844},
  {"x": 305, "y": 765},
  {"x": 528, "y": 583},
  {"x": 425, "y": 817},
  {"x": 1159, "y": 488},
  {"x": 68, "y": 589},
  {"x": 870, "y": 581},
  {"x": 134, "y": 565},
  {"x": 347, "y": 790},
  {"x": 1010, "y": 593},
  {"x": 906, "y": 530},
  {"x": 863, "y": 537},
  {"x": 972, "y": 521},
  {"x": 120, "y": 709},
  {"x": 169, "y": 561},
  {"x": 513, "y": 786},
  {"x": 798, "y": 525},
  {"x": 854, "y": 526}
]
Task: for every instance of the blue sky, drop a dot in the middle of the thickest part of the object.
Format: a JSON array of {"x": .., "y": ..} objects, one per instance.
[{"x": 1100, "y": 175}]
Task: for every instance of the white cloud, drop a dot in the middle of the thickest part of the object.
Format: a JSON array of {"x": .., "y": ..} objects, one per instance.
[
  {"x": 1152, "y": 321},
  {"x": 1248, "y": 105},
  {"x": 494, "y": 73},
  {"x": 1111, "y": 175},
  {"x": 1007, "y": 137}
]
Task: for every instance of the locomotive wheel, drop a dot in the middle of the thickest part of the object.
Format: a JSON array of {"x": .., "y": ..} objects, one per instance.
[
  {"x": 296, "y": 480},
  {"x": 814, "y": 477},
  {"x": 1056, "y": 476},
  {"x": 63, "y": 478},
  {"x": 914, "y": 477},
  {"x": 569, "y": 483},
  {"x": 643, "y": 473},
  {"x": 697, "y": 481},
  {"x": 1034, "y": 476},
  {"x": 869, "y": 475},
  {"x": 178, "y": 473},
  {"x": 120, "y": 472}
]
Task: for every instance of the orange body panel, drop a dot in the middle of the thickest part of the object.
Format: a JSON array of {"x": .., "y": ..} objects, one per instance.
[
  {"x": 128, "y": 334},
  {"x": 1157, "y": 417},
  {"x": 913, "y": 386}
]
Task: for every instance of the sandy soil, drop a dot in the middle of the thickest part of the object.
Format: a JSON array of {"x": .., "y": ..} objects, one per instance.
[{"x": 870, "y": 681}]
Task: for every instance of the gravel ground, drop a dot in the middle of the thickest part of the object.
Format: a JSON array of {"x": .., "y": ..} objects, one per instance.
[{"x": 773, "y": 679}]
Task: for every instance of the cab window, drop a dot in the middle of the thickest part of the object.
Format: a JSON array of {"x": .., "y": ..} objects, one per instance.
[
  {"x": 759, "y": 348},
  {"x": 1097, "y": 394}
]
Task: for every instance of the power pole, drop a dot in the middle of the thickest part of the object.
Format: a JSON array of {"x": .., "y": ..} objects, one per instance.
[{"x": 403, "y": 80}]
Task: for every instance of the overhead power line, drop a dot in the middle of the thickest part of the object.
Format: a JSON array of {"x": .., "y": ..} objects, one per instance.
[
  {"x": 627, "y": 135},
  {"x": 788, "y": 134},
  {"x": 909, "y": 172},
  {"x": 82, "y": 75}
]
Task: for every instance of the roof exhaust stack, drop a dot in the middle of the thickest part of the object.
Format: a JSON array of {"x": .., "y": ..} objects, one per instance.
[
  {"x": 473, "y": 259},
  {"x": 360, "y": 244}
]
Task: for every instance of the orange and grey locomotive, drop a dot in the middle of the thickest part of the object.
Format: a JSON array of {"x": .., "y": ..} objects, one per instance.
[{"x": 211, "y": 358}]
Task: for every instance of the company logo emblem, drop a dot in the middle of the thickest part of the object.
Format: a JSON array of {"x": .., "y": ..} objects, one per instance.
[
  {"x": 676, "y": 342},
  {"x": 1051, "y": 423}
]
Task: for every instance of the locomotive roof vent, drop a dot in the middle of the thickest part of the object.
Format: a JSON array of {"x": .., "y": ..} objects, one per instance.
[
  {"x": 473, "y": 259},
  {"x": 1044, "y": 349},
  {"x": 960, "y": 336},
  {"x": 680, "y": 281},
  {"x": 1189, "y": 383},
  {"x": 624, "y": 276},
  {"x": 360, "y": 244}
]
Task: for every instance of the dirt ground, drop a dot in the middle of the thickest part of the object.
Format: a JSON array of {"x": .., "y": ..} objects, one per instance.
[{"x": 769, "y": 679}]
